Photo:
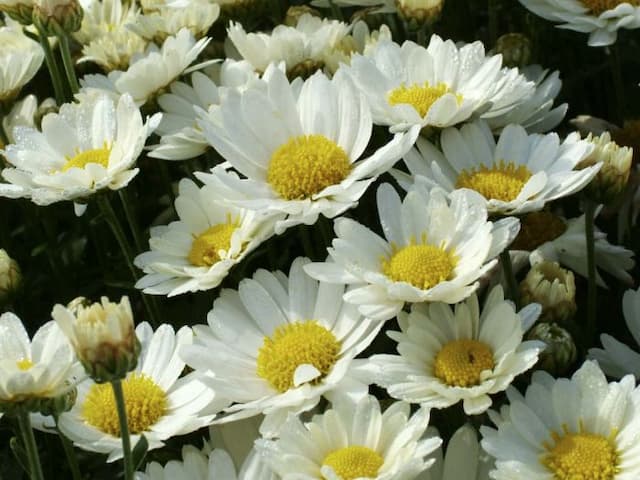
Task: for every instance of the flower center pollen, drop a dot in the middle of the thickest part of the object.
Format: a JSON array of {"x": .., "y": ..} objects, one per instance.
[
  {"x": 206, "y": 246},
  {"x": 24, "y": 364},
  {"x": 460, "y": 362},
  {"x": 82, "y": 159},
  {"x": 306, "y": 165},
  {"x": 503, "y": 181},
  {"x": 354, "y": 462},
  {"x": 423, "y": 266},
  {"x": 600, "y": 6},
  {"x": 145, "y": 403},
  {"x": 420, "y": 97},
  {"x": 293, "y": 345}
]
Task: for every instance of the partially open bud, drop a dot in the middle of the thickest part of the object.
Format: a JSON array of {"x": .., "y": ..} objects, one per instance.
[
  {"x": 10, "y": 276},
  {"x": 418, "y": 13},
  {"x": 18, "y": 10},
  {"x": 296, "y": 11},
  {"x": 515, "y": 49},
  {"x": 554, "y": 288},
  {"x": 560, "y": 353},
  {"x": 612, "y": 178},
  {"x": 58, "y": 16},
  {"x": 102, "y": 335}
]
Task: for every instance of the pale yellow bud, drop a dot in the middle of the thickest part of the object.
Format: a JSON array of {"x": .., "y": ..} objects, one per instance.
[
  {"x": 560, "y": 352},
  {"x": 10, "y": 276},
  {"x": 295, "y": 12},
  {"x": 58, "y": 16},
  {"x": 554, "y": 288},
  {"x": 515, "y": 49},
  {"x": 418, "y": 13},
  {"x": 19, "y": 10}
]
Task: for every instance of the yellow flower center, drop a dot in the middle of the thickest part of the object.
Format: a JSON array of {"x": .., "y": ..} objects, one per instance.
[
  {"x": 24, "y": 364},
  {"x": 423, "y": 265},
  {"x": 306, "y": 165},
  {"x": 97, "y": 155},
  {"x": 145, "y": 403},
  {"x": 354, "y": 462},
  {"x": 600, "y": 6},
  {"x": 205, "y": 247},
  {"x": 296, "y": 344},
  {"x": 583, "y": 456},
  {"x": 537, "y": 228},
  {"x": 503, "y": 181},
  {"x": 420, "y": 97},
  {"x": 460, "y": 362}
]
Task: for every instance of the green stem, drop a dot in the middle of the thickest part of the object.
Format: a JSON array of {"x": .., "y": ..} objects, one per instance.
[
  {"x": 335, "y": 11},
  {"x": 589, "y": 220},
  {"x": 70, "y": 453},
  {"x": 422, "y": 35},
  {"x": 494, "y": 7},
  {"x": 52, "y": 65},
  {"x": 68, "y": 62},
  {"x": 131, "y": 218},
  {"x": 29, "y": 440},
  {"x": 124, "y": 429},
  {"x": 618, "y": 84},
  {"x": 512, "y": 284}
]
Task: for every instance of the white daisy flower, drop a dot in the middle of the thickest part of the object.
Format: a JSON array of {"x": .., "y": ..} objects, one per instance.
[
  {"x": 566, "y": 429},
  {"x": 437, "y": 86},
  {"x": 277, "y": 344},
  {"x": 300, "y": 152},
  {"x": 196, "y": 252},
  {"x": 84, "y": 148},
  {"x": 114, "y": 50},
  {"x": 152, "y": 71},
  {"x": 24, "y": 113},
  {"x": 159, "y": 402},
  {"x": 518, "y": 174},
  {"x": 353, "y": 440},
  {"x": 20, "y": 60},
  {"x": 616, "y": 358},
  {"x": 601, "y": 19},
  {"x": 102, "y": 17},
  {"x": 435, "y": 249},
  {"x": 448, "y": 355}
]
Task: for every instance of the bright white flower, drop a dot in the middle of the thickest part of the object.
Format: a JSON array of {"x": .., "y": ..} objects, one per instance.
[
  {"x": 196, "y": 252},
  {"x": 435, "y": 249},
  {"x": 114, "y": 50},
  {"x": 159, "y": 402},
  {"x": 437, "y": 86},
  {"x": 448, "y": 355},
  {"x": 601, "y": 19},
  {"x": 277, "y": 344},
  {"x": 299, "y": 151},
  {"x": 86, "y": 147},
  {"x": 518, "y": 174},
  {"x": 616, "y": 359},
  {"x": 24, "y": 113},
  {"x": 353, "y": 440},
  {"x": 152, "y": 71},
  {"x": 102, "y": 17},
  {"x": 567, "y": 429},
  {"x": 20, "y": 60}
]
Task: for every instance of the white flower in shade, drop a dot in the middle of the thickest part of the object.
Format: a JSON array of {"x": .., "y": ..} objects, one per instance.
[
  {"x": 518, "y": 174},
  {"x": 84, "y": 148},
  {"x": 159, "y": 402},
  {"x": 114, "y": 50},
  {"x": 301, "y": 153},
  {"x": 196, "y": 252},
  {"x": 435, "y": 249},
  {"x": 451, "y": 355},
  {"x": 153, "y": 70},
  {"x": 20, "y": 59},
  {"x": 102, "y": 17},
  {"x": 567, "y": 429},
  {"x": 437, "y": 86},
  {"x": 536, "y": 114},
  {"x": 277, "y": 344},
  {"x": 181, "y": 138},
  {"x": 616, "y": 358},
  {"x": 353, "y": 440},
  {"x": 33, "y": 371},
  {"x": 24, "y": 113},
  {"x": 601, "y": 19}
]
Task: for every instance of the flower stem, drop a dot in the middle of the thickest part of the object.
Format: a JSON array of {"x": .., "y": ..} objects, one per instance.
[
  {"x": 118, "y": 394},
  {"x": 507, "y": 267},
  {"x": 589, "y": 220},
  {"x": 494, "y": 12},
  {"x": 335, "y": 11},
  {"x": 29, "y": 440},
  {"x": 618, "y": 84},
  {"x": 52, "y": 65},
  {"x": 70, "y": 453},
  {"x": 131, "y": 218},
  {"x": 68, "y": 62}
]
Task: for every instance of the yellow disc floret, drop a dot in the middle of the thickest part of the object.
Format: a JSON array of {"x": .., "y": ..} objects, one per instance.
[
  {"x": 306, "y": 165},
  {"x": 583, "y": 456},
  {"x": 205, "y": 247},
  {"x": 598, "y": 7},
  {"x": 503, "y": 181},
  {"x": 97, "y": 155},
  {"x": 145, "y": 403},
  {"x": 460, "y": 362},
  {"x": 420, "y": 97},
  {"x": 296, "y": 344},
  {"x": 354, "y": 462},
  {"x": 422, "y": 265},
  {"x": 24, "y": 364}
]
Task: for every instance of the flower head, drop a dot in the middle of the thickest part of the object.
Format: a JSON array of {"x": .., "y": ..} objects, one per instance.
[
  {"x": 10, "y": 276},
  {"x": 20, "y": 59}
]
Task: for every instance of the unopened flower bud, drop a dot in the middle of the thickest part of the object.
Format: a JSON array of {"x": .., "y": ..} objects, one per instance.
[
  {"x": 418, "y": 13},
  {"x": 57, "y": 17},
  {"x": 554, "y": 288},
  {"x": 10, "y": 276},
  {"x": 102, "y": 335},
  {"x": 515, "y": 49},
  {"x": 296, "y": 11},
  {"x": 19, "y": 10},
  {"x": 560, "y": 353}
]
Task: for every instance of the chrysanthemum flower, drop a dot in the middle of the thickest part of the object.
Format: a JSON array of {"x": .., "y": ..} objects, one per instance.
[
  {"x": 439, "y": 86},
  {"x": 353, "y": 440},
  {"x": 299, "y": 151},
  {"x": 20, "y": 59},
  {"x": 196, "y": 252},
  {"x": 25, "y": 113},
  {"x": 601, "y": 19},
  {"x": 159, "y": 402},
  {"x": 567, "y": 429},
  {"x": 277, "y": 344},
  {"x": 84, "y": 148},
  {"x": 102, "y": 17},
  {"x": 462, "y": 354},
  {"x": 518, "y": 174},
  {"x": 435, "y": 249}
]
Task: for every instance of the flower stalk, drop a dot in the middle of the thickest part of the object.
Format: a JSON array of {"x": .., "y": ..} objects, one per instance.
[
  {"x": 118, "y": 394},
  {"x": 52, "y": 65},
  {"x": 589, "y": 212},
  {"x": 509, "y": 275},
  {"x": 29, "y": 441}
]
